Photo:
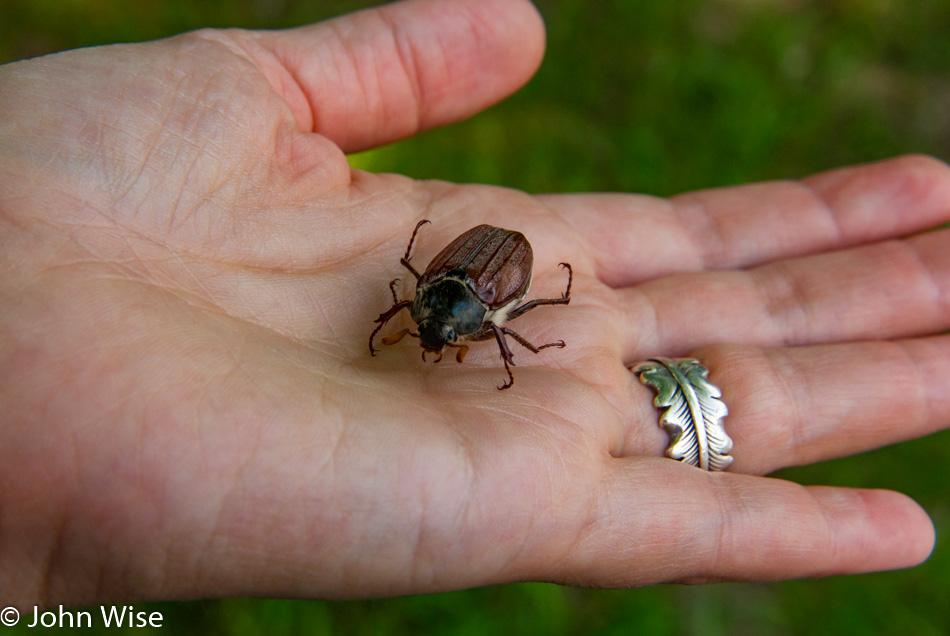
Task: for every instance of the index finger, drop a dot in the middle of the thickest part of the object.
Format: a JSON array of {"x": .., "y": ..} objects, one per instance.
[{"x": 636, "y": 238}]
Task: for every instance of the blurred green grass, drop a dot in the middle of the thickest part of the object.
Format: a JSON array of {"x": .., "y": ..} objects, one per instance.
[{"x": 643, "y": 97}]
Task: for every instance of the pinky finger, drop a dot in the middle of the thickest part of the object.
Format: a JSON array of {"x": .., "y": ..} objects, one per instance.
[{"x": 670, "y": 522}]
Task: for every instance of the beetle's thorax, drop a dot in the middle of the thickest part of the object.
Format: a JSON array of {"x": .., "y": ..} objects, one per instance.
[{"x": 450, "y": 304}]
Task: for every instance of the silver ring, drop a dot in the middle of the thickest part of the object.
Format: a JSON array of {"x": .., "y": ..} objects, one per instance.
[{"x": 694, "y": 411}]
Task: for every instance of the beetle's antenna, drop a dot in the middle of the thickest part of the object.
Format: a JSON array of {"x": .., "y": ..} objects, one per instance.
[
  {"x": 396, "y": 337},
  {"x": 463, "y": 349}
]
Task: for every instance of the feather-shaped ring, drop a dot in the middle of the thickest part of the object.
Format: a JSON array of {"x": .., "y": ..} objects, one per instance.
[{"x": 694, "y": 411}]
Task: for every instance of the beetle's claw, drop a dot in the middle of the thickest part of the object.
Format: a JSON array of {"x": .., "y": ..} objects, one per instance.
[
  {"x": 392, "y": 289},
  {"x": 570, "y": 279},
  {"x": 412, "y": 239}
]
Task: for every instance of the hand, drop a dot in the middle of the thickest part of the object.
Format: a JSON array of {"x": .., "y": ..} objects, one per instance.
[{"x": 191, "y": 273}]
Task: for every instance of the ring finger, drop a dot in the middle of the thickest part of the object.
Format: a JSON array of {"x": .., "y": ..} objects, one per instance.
[{"x": 799, "y": 405}]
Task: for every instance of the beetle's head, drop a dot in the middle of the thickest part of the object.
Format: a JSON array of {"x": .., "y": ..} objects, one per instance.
[{"x": 435, "y": 334}]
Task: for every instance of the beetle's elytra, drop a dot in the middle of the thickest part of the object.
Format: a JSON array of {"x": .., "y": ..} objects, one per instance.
[{"x": 468, "y": 292}]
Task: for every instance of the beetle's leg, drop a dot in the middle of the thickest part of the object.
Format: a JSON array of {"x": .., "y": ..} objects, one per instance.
[
  {"x": 563, "y": 300},
  {"x": 506, "y": 356},
  {"x": 413, "y": 237},
  {"x": 396, "y": 337},
  {"x": 527, "y": 345},
  {"x": 439, "y": 359},
  {"x": 463, "y": 349},
  {"x": 384, "y": 318},
  {"x": 392, "y": 289},
  {"x": 405, "y": 263},
  {"x": 405, "y": 259},
  {"x": 570, "y": 279}
]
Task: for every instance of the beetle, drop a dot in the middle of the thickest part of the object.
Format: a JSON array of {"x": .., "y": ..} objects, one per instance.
[{"x": 468, "y": 292}]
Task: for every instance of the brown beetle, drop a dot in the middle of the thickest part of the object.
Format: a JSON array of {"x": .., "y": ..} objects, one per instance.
[{"x": 469, "y": 291}]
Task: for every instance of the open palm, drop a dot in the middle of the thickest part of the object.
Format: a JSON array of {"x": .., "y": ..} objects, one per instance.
[{"x": 192, "y": 271}]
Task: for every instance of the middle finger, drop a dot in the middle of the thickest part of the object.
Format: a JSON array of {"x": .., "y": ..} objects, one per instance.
[{"x": 892, "y": 289}]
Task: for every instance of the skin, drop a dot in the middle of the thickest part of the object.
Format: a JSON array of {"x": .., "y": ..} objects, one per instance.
[{"x": 190, "y": 274}]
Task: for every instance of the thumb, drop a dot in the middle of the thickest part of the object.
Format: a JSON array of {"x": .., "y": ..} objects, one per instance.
[{"x": 383, "y": 74}]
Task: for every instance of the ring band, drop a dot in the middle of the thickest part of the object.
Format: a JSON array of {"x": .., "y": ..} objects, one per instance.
[{"x": 694, "y": 411}]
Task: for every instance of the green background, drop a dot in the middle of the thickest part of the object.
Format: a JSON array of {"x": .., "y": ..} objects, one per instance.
[{"x": 639, "y": 96}]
